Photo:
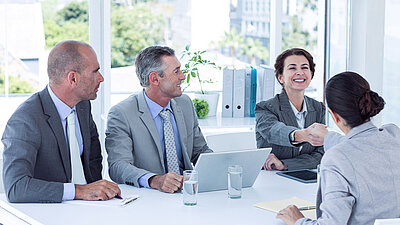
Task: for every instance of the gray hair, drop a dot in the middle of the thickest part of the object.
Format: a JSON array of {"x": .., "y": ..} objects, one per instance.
[
  {"x": 65, "y": 57},
  {"x": 149, "y": 60}
]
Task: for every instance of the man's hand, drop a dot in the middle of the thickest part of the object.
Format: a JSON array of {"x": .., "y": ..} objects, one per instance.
[
  {"x": 318, "y": 130},
  {"x": 99, "y": 190},
  {"x": 169, "y": 182},
  {"x": 273, "y": 163},
  {"x": 313, "y": 134},
  {"x": 290, "y": 215}
]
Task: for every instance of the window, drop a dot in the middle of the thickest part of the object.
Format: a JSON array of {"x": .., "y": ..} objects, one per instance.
[
  {"x": 23, "y": 60},
  {"x": 391, "y": 61},
  {"x": 338, "y": 37},
  {"x": 178, "y": 23},
  {"x": 300, "y": 30}
]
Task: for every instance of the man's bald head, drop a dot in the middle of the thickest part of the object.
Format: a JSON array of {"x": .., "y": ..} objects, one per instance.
[{"x": 66, "y": 56}]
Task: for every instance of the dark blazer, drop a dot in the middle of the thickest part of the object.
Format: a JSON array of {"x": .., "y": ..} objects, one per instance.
[
  {"x": 275, "y": 121},
  {"x": 36, "y": 156}
]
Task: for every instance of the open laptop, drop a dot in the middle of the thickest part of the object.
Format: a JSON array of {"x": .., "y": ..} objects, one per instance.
[{"x": 213, "y": 167}]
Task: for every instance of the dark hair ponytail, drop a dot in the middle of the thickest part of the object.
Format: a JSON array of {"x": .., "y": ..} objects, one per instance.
[{"x": 349, "y": 95}]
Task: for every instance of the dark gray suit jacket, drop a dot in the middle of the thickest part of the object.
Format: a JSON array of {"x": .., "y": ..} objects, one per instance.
[
  {"x": 36, "y": 156},
  {"x": 275, "y": 121},
  {"x": 132, "y": 141}
]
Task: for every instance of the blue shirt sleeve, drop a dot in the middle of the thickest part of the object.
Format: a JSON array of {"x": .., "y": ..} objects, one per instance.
[
  {"x": 144, "y": 180},
  {"x": 69, "y": 192}
]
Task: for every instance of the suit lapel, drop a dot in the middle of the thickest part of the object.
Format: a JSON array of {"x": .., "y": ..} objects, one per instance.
[
  {"x": 287, "y": 112},
  {"x": 180, "y": 124},
  {"x": 56, "y": 125},
  {"x": 148, "y": 121},
  {"x": 311, "y": 113}
]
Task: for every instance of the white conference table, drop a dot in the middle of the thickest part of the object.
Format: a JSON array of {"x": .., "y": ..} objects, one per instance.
[{"x": 154, "y": 207}]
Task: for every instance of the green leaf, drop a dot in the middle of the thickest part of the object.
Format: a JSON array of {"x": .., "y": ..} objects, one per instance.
[{"x": 201, "y": 107}]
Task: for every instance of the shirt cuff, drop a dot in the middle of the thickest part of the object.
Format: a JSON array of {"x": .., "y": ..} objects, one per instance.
[
  {"x": 291, "y": 135},
  {"x": 69, "y": 192},
  {"x": 301, "y": 221},
  {"x": 144, "y": 180}
]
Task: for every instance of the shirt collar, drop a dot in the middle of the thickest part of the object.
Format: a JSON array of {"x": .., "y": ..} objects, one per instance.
[
  {"x": 154, "y": 107},
  {"x": 63, "y": 109},
  {"x": 360, "y": 129},
  {"x": 303, "y": 111}
]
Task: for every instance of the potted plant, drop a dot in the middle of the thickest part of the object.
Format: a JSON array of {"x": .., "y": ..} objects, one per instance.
[
  {"x": 201, "y": 107},
  {"x": 195, "y": 60}
]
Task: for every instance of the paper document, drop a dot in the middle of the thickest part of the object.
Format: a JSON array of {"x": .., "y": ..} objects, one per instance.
[
  {"x": 115, "y": 202},
  {"x": 395, "y": 221},
  {"x": 276, "y": 206}
]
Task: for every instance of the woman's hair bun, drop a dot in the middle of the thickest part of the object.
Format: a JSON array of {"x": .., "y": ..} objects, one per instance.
[{"x": 370, "y": 104}]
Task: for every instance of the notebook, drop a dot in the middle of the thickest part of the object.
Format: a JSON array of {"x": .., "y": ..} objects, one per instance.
[{"x": 212, "y": 167}]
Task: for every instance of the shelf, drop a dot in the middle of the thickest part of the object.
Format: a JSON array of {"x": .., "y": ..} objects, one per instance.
[{"x": 219, "y": 124}]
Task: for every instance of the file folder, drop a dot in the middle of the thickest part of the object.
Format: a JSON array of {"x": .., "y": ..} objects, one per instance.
[
  {"x": 227, "y": 92},
  {"x": 260, "y": 82},
  {"x": 269, "y": 82},
  {"x": 247, "y": 92},
  {"x": 253, "y": 91},
  {"x": 238, "y": 92},
  {"x": 265, "y": 83}
]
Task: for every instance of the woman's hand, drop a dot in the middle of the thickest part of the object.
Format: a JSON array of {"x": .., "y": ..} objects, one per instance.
[
  {"x": 273, "y": 163},
  {"x": 318, "y": 130},
  {"x": 290, "y": 215}
]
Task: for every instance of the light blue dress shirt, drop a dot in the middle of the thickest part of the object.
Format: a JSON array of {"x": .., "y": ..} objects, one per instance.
[
  {"x": 63, "y": 111},
  {"x": 155, "y": 109}
]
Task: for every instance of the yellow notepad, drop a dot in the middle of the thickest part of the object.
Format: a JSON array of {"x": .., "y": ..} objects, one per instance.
[{"x": 276, "y": 206}]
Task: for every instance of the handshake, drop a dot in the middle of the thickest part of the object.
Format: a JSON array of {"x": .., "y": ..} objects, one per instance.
[{"x": 313, "y": 134}]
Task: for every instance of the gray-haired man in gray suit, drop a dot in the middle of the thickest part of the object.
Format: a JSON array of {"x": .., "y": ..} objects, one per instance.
[
  {"x": 39, "y": 165},
  {"x": 138, "y": 153}
]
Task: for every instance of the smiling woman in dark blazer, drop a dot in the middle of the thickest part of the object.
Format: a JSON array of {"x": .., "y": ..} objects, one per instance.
[{"x": 282, "y": 121}]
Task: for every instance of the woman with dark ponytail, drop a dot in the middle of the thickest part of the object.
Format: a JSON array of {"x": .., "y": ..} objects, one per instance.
[{"x": 360, "y": 172}]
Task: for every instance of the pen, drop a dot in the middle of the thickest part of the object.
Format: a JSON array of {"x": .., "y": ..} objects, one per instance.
[
  {"x": 129, "y": 200},
  {"x": 117, "y": 196},
  {"x": 307, "y": 208}
]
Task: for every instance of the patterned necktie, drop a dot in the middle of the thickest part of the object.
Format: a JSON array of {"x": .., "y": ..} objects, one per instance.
[
  {"x": 169, "y": 141},
  {"x": 78, "y": 176}
]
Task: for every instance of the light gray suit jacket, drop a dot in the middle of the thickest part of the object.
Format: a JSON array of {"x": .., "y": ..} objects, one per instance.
[
  {"x": 132, "y": 141},
  {"x": 36, "y": 156},
  {"x": 275, "y": 121},
  {"x": 360, "y": 177}
]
